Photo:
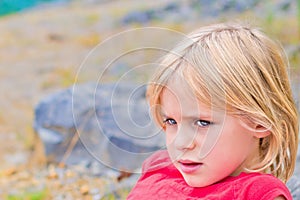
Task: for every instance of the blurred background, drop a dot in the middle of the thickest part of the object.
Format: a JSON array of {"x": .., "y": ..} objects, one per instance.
[{"x": 43, "y": 44}]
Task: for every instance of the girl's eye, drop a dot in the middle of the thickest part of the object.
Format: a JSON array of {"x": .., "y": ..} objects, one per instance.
[
  {"x": 203, "y": 123},
  {"x": 169, "y": 121}
]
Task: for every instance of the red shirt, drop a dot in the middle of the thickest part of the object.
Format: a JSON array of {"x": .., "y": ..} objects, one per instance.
[{"x": 161, "y": 180}]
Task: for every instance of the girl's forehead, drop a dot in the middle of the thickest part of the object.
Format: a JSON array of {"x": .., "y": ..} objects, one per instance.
[
  {"x": 185, "y": 91},
  {"x": 180, "y": 94},
  {"x": 175, "y": 103},
  {"x": 182, "y": 86},
  {"x": 178, "y": 86},
  {"x": 179, "y": 78}
]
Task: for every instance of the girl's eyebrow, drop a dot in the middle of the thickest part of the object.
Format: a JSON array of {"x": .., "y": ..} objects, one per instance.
[
  {"x": 163, "y": 115},
  {"x": 191, "y": 116}
]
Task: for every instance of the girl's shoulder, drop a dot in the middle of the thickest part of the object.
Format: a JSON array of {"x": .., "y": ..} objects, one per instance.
[
  {"x": 161, "y": 179},
  {"x": 260, "y": 186}
]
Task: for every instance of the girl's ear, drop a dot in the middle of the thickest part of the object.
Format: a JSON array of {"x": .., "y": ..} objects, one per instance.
[{"x": 261, "y": 131}]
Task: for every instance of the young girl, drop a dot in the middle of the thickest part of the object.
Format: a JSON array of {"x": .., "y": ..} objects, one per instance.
[{"x": 223, "y": 98}]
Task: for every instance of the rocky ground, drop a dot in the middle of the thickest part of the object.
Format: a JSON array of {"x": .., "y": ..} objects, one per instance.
[{"x": 41, "y": 52}]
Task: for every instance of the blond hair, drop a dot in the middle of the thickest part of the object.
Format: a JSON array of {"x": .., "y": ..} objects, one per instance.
[{"x": 239, "y": 67}]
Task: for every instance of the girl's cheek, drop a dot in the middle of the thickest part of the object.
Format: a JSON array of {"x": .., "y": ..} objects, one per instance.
[{"x": 170, "y": 136}]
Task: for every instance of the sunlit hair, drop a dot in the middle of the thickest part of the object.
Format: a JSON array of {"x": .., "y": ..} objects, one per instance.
[{"x": 238, "y": 68}]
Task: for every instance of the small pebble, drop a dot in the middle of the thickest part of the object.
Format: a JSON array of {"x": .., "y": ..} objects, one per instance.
[
  {"x": 69, "y": 173},
  {"x": 52, "y": 175},
  {"x": 10, "y": 171},
  {"x": 94, "y": 191},
  {"x": 84, "y": 190},
  {"x": 97, "y": 197}
]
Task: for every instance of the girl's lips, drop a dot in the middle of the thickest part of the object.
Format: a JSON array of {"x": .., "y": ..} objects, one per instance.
[{"x": 189, "y": 166}]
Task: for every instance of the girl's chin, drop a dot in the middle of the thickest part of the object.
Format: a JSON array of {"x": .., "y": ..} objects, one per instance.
[
  {"x": 192, "y": 183},
  {"x": 192, "y": 180}
]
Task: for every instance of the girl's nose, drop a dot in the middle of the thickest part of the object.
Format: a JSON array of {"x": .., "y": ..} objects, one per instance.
[{"x": 185, "y": 138}]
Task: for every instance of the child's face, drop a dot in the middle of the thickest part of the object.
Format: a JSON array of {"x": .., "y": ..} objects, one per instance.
[{"x": 205, "y": 145}]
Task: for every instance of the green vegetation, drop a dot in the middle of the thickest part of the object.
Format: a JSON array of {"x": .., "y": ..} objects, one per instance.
[
  {"x": 13, "y": 6},
  {"x": 29, "y": 195},
  {"x": 120, "y": 194}
]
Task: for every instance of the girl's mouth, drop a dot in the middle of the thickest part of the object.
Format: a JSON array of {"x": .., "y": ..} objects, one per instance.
[{"x": 189, "y": 166}]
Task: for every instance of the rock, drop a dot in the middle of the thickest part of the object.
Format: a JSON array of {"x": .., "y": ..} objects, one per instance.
[
  {"x": 296, "y": 92},
  {"x": 111, "y": 121},
  {"x": 181, "y": 11},
  {"x": 294, "y": 186},
  {"x": 138, "y": 17},
  {"x": 145, "y": 16},
  {"x": 297, "y": 168}
]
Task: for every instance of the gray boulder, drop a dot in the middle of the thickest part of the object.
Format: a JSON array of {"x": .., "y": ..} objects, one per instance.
[
  {"x": 112, "y": 123},
  {"x": 294, "y": 186}
]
